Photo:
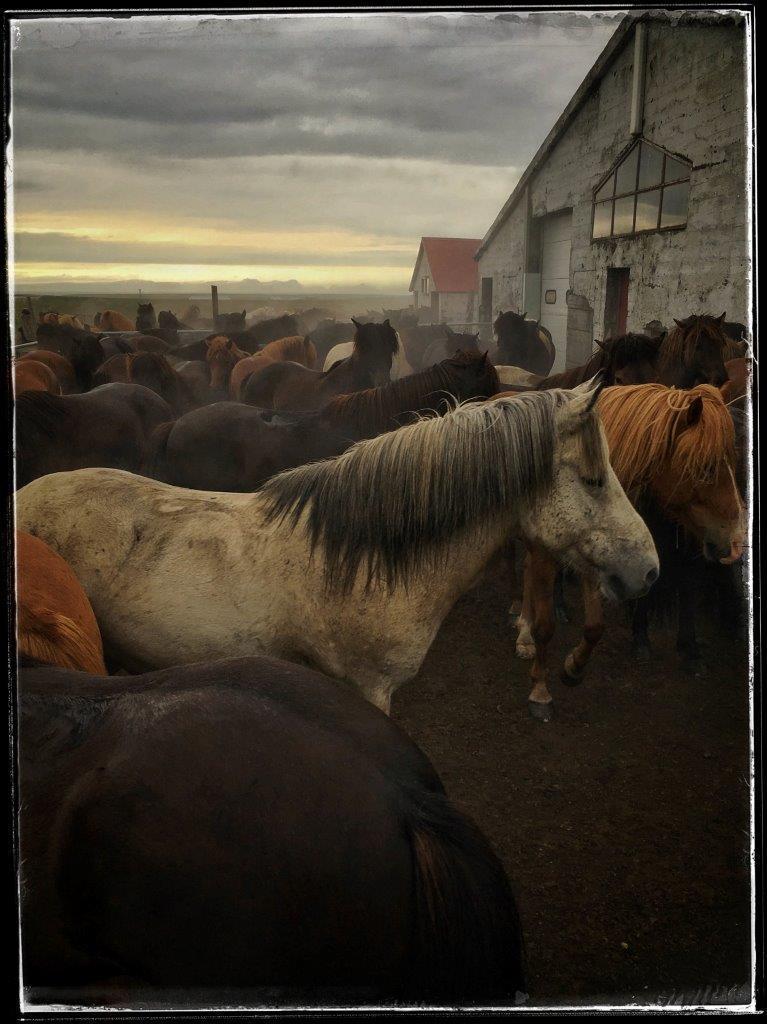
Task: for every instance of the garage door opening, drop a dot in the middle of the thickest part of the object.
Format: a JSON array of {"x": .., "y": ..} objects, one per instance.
[{"x": 616, "y": 301}]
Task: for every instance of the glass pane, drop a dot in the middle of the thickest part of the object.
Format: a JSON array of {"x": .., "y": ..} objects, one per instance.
[
  {"x": 623, "y": 222},
  {"x": 648, "y": 204},
  {"x": 676, "y": 169},
  {"x": 602, "y": 215},
  {"x": 626, "y": 174},
  {"x": 650, "y": 167},
  {"x": 675, "y": 205},
  {"x": 606, "y": 190}
]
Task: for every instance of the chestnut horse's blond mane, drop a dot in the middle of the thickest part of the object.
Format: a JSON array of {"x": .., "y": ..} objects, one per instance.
[{"x": 647, "y": 431}]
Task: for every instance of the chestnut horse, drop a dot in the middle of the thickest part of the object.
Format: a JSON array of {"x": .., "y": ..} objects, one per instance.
[
  {"x": 55, "y": 623},
  {"x": 221, "y": 356},
  {"x": 296, "y": 388},
  {"x": 295, "y": 349},
  {"x": 676, "y": 448},
  {"x": 111, "y": 320},
  {"x": 29, "y": 375},
  {"x": 60, "y": 367},
  {"x": 165, "y": 854}
]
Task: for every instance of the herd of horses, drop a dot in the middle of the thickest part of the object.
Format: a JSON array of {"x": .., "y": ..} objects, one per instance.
[{"x": 232, "y": 551}]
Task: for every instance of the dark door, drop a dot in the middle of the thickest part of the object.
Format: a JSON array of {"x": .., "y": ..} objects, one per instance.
[
  {"x": 486, "y": 307},
  {"x": 616, "y": 301}
]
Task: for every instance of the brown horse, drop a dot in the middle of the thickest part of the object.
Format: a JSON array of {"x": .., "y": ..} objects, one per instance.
[
  {"x": 55, "y": 623},
  {"x": 694, "y": 351},
  {"x": 221, "y": 356},
  {"x": 29, "y": 375},
  {"x": 164, "y": 853},
  {"x": 61, "y": 368},
  {"x": 674, "y": 447},
  {"x": 293, "y": 387},
  {"x": 524, "y": 343},
  {"x": 108, "y": 426},
  {"x": 235, "y": 447},
  {"x": 294, "y": 349},
  {"x": 111, "y": 320},
  {"x": 153, "y": 371},
  {"x": 81, "y": 348},
  {"x": 738, "y": 383}
]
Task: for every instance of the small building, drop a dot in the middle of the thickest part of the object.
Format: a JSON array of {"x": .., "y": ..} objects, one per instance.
[
  {"x": 635, "y": 207},
  {"x": 444, "y": 281}
]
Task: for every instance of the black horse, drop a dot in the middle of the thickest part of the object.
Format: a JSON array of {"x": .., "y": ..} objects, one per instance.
[
  {"x": 251, "y": 829},
  {"x": 108, "y": 426},
  {"x": 523, "y": 343}
]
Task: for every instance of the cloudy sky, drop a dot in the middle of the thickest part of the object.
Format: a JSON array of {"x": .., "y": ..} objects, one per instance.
[{"x": 315, "y": 148}]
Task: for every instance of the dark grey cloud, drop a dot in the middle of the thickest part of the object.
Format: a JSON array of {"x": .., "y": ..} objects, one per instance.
[{"x": 472, "y": 87}]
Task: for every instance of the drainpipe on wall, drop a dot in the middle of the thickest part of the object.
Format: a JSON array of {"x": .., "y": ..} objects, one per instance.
[{"x": 637, "y": 84}]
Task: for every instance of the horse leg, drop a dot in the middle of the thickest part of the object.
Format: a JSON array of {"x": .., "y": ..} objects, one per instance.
[
  {"x": 543, "y": 571},
  {"x": 593, "y": 628},
  {"x": 640, "y": 643},
  {"x": 525, "y": 644}
]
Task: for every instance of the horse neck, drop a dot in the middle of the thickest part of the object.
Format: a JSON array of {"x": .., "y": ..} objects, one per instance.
[{"x": 577, "y": 375}]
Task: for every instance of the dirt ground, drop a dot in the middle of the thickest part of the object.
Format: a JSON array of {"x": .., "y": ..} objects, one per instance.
[{"x": 623, "y": 823}]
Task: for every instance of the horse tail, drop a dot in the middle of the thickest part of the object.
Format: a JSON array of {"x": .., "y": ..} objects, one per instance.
[
  {"x": 467, "y": 937},
  {"x": 154, "y": 464},
  {"x": 56, "y": 639}
]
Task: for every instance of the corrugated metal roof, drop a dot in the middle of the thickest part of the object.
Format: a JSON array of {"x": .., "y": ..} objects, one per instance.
[{"x": 452, "y": 264}]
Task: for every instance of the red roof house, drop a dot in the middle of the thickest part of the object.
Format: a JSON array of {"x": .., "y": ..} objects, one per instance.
[{"x": 445, "y": 278}]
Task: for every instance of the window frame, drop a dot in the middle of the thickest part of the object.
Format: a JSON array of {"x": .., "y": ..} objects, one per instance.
[{"x": 660, "y": 186}]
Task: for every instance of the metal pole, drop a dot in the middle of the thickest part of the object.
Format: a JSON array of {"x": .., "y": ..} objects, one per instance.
[{"x": 214, "y": 302}]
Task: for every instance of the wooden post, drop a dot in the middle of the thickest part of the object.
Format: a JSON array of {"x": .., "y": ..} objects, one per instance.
[{"x": 214, "y": 302}]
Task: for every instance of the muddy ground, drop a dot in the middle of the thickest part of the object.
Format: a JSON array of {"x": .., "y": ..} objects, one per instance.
[{"x": 623, "y": 823}]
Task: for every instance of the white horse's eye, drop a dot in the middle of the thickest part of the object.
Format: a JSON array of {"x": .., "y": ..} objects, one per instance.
[{"x": 596, "y": 481}]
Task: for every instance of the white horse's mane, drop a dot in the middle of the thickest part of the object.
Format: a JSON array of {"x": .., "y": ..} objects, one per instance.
[{"x": 392, "y": 502}]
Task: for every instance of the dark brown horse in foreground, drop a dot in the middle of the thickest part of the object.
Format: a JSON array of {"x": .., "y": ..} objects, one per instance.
[
  {"x": 296, "y": 388},
  {"x": 234, "y": 447},
  {"x": 246, "y": 825},
  {"x": 108, "y": 426},
  {"x": 524, "y": 343},
  {"x": 627, "y": 359}
]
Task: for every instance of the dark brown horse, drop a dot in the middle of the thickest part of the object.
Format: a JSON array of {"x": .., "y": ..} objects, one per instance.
[
  {"x": 417, "y": 340},
  {"x": 450, "y": 342},
  {"x": 235, "y": 447},
  {"x": 82, "y": 349},
  {"x": 523, "y": 343},
  {"x": 108, "y": 426},
  {"x": 246, "y": 825},
  {"x": 694, "y": 352},
  {"x": 151, "y": 370},
  {"x": 146, "y": 319},
  {"x": 628, "y": 359},
  {"x": 294, "y": 387}
]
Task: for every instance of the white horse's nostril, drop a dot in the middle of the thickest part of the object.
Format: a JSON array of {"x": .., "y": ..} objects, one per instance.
[{"x": 651, "y": 577}]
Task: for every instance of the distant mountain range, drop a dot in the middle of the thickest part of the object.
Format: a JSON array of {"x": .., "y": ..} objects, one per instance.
[{"x": 248, "y": 286}]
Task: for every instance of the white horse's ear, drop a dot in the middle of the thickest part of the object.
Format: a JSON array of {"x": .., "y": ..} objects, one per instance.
[{"x": 356, "y": 322}]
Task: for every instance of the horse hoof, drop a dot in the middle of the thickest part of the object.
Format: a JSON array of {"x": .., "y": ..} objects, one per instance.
[
  {"x": 526, "y": 651},
  {"x": 569, "y": 680},
  {"x": 641, "y": 653},
  {"x": 543, "y": 712}
]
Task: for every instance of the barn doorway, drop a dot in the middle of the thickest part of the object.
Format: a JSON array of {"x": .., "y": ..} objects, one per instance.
[
  {"x": 616, "y": 301},
  {"x": 555, "y": 281}
]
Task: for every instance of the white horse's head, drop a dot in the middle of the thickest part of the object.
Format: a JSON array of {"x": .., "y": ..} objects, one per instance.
[{"x": 585, "y": 518}]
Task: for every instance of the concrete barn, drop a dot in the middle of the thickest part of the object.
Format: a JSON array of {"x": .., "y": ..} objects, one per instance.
[
  {"x": 444, "y": 281},
  {"x": 635, "y": 207}
]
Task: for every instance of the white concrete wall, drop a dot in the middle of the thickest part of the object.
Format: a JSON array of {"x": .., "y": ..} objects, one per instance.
[
  {"x": 695, "y": 104},
  {"x": 456, "y": 307}
]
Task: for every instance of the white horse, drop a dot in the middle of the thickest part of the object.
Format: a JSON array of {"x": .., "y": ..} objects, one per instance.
[
  {"x": 516, "y": 376},
  {"x": 349, "y": 565},
  {"x": 400, "y": 367}
]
